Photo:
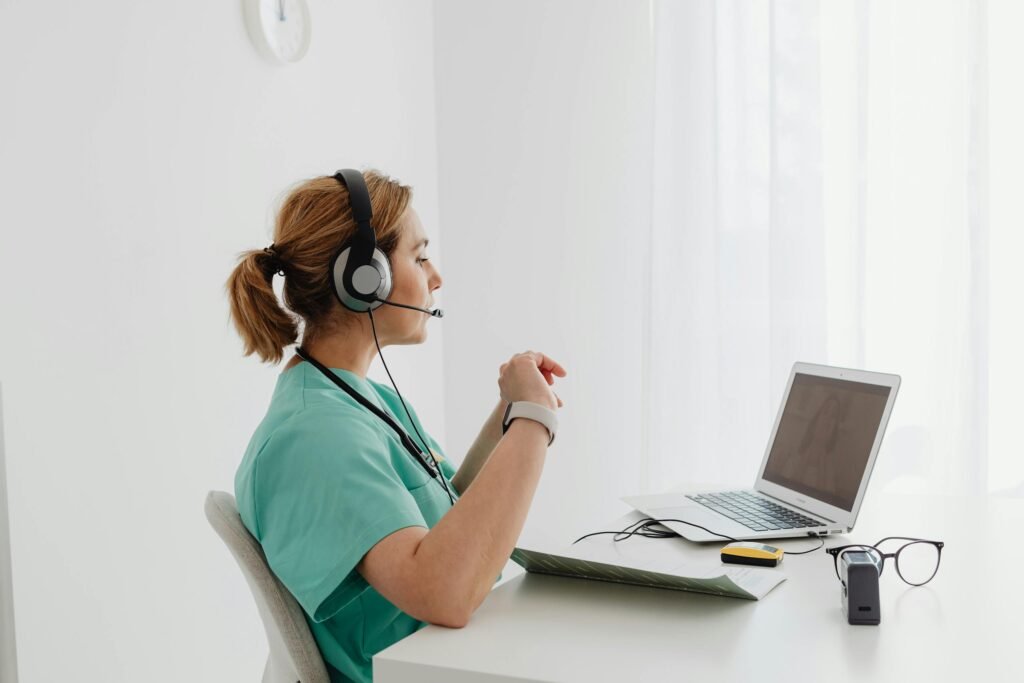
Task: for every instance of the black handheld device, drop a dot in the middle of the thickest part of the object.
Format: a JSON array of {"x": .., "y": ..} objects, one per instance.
[{"x": 859, "y": 572}]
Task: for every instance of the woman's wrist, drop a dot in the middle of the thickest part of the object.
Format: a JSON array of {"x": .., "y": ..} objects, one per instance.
[{"x": 536, "y": 412}]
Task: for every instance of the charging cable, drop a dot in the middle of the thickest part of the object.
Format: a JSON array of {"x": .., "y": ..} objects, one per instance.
[{"x": 645, "y": 528}]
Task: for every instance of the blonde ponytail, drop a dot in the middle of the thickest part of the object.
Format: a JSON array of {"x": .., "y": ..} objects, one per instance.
[{"x": 265, "y": 327}]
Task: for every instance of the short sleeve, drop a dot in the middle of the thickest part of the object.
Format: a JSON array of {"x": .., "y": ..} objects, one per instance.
[{"x": 326, "y": 491}]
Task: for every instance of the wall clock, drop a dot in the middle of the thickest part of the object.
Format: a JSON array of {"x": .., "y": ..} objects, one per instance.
[{"x": 280, "y": 29}]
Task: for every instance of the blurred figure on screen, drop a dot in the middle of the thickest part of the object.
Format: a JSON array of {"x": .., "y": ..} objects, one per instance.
[{"x": 815, "y": 463}]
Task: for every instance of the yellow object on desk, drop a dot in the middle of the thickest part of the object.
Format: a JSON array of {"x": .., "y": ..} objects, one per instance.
[{"x": 748, "y": 552}]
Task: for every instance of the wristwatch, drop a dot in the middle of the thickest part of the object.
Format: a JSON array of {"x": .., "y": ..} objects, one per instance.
[{"x": 531, "y": 411}]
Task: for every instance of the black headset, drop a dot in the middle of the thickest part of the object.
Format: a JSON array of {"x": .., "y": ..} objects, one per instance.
[{"x": 360, "y": 272}]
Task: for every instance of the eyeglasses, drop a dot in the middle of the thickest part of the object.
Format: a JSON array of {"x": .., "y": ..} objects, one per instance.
[{"x": 917, "y": 560}]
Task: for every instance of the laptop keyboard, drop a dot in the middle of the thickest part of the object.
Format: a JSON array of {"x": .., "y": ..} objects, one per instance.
[{"x": 754, "y": 512}]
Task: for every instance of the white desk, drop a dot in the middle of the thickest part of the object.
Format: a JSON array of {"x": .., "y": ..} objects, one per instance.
[{"x": 965, "y": 624}]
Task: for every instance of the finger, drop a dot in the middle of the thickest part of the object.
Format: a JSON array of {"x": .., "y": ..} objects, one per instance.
[
  {"x": 547, "y": 376},
  {"x": 545, "y": 363}
]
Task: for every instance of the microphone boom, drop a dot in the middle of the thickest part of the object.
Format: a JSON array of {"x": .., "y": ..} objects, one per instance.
[{"x": 437, "y": 312}]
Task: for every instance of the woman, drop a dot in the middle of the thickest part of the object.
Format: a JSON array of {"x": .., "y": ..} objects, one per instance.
[{"x": 373, "y": 533}]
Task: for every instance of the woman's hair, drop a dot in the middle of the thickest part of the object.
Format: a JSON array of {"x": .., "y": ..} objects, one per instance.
[{"x": 312, "y": 225}]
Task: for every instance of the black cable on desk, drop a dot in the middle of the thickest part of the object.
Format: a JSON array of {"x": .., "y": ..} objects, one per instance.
[{"x": 643, "y": 528}]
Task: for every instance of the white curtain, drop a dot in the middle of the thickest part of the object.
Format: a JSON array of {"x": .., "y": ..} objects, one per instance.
[{"x": 834, "y": 184}]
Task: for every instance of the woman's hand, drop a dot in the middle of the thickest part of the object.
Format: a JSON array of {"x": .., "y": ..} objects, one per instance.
[{"x": 528, "y": 377}]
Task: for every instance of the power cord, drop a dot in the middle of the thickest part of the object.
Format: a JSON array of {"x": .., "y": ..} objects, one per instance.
[{"x": 644, "y": 528}]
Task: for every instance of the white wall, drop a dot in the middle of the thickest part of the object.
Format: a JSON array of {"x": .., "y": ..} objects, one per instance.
[
  {"x": 544, "y": 138},
  {"x": 143, "y": 146}
]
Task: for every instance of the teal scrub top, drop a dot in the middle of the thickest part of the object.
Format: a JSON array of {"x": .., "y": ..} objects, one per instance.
[{"x": 322, "y": 481}]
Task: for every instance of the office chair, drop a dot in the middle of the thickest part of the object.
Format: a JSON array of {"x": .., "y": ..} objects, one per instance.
[{"x": 294, "y": 656}]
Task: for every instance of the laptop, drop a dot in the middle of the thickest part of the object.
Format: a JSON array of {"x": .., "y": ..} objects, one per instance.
[{"x": 815, "y": 468}]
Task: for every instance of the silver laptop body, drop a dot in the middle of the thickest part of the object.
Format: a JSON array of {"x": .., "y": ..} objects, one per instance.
[{"x": 815, "y": 469}]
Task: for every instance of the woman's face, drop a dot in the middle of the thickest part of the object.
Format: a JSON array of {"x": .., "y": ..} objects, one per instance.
[{"x": 414, "y": 280}]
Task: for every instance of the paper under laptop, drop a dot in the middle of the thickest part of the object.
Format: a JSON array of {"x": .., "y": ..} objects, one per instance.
[{"x": 815, "y": 469}]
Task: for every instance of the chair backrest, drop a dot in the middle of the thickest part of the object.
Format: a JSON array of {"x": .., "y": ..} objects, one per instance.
[{"x": 294, "y": 656}]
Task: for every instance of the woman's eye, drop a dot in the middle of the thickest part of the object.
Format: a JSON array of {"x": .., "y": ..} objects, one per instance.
[{"x": 421, "y": 260}]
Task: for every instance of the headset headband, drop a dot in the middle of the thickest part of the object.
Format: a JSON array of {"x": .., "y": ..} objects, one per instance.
[{"x": 364, "y": 241}]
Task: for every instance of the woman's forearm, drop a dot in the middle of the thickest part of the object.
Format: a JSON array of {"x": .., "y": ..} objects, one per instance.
[
  {"x": 480, "y": 451},
  {"x": 443, "y": 573},
  {"x": 469, "y": 547}
]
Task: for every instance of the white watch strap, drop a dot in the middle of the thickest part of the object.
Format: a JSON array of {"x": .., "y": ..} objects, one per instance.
[{"x": 532, "y": 411}]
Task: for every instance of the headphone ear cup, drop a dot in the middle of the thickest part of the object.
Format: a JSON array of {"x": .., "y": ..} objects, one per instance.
[
  {"x": 372, "y": 279},
  {"x": 380, "y": 261}
]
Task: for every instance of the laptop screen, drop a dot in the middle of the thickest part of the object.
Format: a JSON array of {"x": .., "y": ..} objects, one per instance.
[{"x": 825, "y": 436}]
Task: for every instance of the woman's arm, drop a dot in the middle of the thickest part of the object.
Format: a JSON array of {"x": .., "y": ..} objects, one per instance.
[
  {"x": 442, "y": 575},
  {"x": 486, "y": 441}
]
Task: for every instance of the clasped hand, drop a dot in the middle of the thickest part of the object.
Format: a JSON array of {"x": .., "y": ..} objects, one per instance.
[{"x": 529, "y": 376}]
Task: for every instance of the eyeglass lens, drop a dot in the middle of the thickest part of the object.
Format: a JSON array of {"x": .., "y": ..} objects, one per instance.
[{"x": 917, "y": 562}]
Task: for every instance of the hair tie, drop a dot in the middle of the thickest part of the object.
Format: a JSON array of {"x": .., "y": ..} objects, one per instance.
[{"x": 276, "y": 262}]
